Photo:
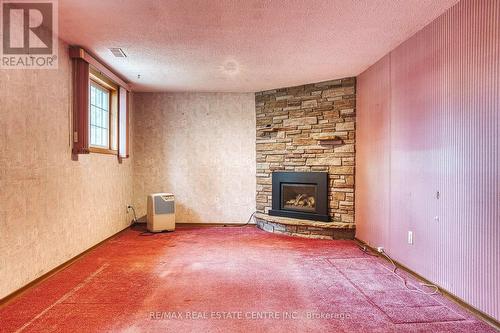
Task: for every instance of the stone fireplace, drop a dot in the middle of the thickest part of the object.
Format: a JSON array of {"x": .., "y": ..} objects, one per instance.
[
  {"x": 300, "y": 130},
  {"x": 301, "y": 195}
]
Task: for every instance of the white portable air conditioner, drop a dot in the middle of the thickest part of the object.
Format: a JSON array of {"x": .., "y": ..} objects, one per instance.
[{"x": 161, "y": 212}]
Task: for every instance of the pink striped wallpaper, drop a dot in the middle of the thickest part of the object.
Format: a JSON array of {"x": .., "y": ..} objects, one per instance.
[{"x": 428, "y": 121}]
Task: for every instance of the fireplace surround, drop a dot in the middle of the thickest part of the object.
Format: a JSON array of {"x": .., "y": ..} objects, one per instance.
[
  {"x": 301, "y": 195},
  {"x": 291, "y": 130}
]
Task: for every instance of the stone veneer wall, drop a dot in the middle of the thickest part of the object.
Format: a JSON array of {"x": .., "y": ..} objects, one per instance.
[{"x": 289, "y": 123}]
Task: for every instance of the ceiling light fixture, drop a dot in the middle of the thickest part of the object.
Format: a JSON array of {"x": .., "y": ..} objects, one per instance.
[{"x": 230, "y": 67}]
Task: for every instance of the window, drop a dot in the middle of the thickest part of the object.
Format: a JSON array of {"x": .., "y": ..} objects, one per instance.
[
  {"x": 100, "y": 107},
  {"x": 103, "y": 119}
]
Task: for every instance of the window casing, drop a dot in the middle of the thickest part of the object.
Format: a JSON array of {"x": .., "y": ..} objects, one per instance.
[
  {"x": 103, "y": 119},
  {"x": 89, "y": 72}
]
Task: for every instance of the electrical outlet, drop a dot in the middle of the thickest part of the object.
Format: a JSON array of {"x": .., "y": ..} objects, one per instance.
[
  {"x": 410, "y": 237},
  {"x": 380, "y": 249}
]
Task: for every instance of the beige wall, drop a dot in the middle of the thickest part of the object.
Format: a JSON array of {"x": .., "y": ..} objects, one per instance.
[
  {"x": 51, "y": 207},
  {"x": 199, "y": 146}
]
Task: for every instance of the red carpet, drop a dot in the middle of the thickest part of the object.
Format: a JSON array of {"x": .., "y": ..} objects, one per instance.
[{"x": 230, "y": 280}]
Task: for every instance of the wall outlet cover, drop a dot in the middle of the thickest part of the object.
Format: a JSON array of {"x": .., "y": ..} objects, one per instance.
[{"x": 410, "y": 237}]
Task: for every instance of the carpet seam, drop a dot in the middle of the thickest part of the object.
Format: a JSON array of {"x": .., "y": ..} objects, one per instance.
[{"x": 63, "y": 297}]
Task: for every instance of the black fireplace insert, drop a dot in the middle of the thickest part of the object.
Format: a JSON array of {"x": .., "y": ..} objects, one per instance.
[{"x": 301, "y": 195}]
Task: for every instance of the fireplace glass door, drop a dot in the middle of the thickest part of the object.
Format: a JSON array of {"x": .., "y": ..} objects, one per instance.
[{"x": 299, "y": 197}]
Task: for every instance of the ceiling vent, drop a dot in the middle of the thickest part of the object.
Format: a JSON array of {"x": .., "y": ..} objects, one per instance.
[{"x": 118, "y": 52}]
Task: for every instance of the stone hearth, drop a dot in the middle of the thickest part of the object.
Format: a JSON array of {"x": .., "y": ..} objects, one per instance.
[{"x": 305, "y": 228}]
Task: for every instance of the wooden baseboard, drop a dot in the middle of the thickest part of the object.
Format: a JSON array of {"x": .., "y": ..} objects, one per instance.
[
  {"x": 487, "y": 318},
  {"x": 180, "y": 225},
  {"x": 18, "y": 292}
]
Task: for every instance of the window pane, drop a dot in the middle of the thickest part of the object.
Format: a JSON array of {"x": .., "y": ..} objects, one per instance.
[
  {"x": 99, "y": 116},
  {"x": 105, "y": 101},
  {"x": 92, "y": 115},
  {"x": 105, "y": 137},
  {"x": 98, "y": 136},
  {"x": 105, "y": 120},
  {"x": 98, "y": 98},
  {"x": 92, "y": 135},
  {"x": 97, "y": 120}
]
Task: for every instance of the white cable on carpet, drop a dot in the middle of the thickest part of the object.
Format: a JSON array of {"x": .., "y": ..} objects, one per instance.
[
  {"x": 417, "y": 290},
  {"x": 395, "y": 267}
]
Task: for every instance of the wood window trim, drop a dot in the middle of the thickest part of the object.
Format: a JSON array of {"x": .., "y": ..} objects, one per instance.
[
  {"x": 100, "y": 150},
  {"x": 126, "y": 135},
  {"x": 80, "y": 133},
  {"x": 76, "y": 52},
  {"x": 99, "y": 79},
  {"x": 93, "y": 80},
  {"x": 85, "y": 66}
]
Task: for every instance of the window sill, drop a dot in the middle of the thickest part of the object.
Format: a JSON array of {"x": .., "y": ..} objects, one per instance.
[{"x": 103, "y": 151}]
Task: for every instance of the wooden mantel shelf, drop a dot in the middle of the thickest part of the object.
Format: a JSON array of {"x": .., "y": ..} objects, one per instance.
[
  {"x": 274, "y": 129},
  {"x": 330, "y": 140}
]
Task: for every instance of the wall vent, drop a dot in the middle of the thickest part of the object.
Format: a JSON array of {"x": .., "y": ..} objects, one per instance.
[{"x": 118, "y": 52}]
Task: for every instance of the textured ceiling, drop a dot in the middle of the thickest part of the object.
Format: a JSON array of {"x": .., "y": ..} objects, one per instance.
[{"x": 241, "y": 46}]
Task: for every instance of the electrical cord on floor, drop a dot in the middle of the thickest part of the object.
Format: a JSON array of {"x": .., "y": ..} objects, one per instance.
[
  {"x": 134, "y": 221},
  {"x": 250, "y": 218},
  {"x": 364, "y": 249},
  {"x": 242, "y": 225},
  {"x": 147, "y": 233},
  {"x": 150, "y": 233},
  {"x": 416, "y": 290}
]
